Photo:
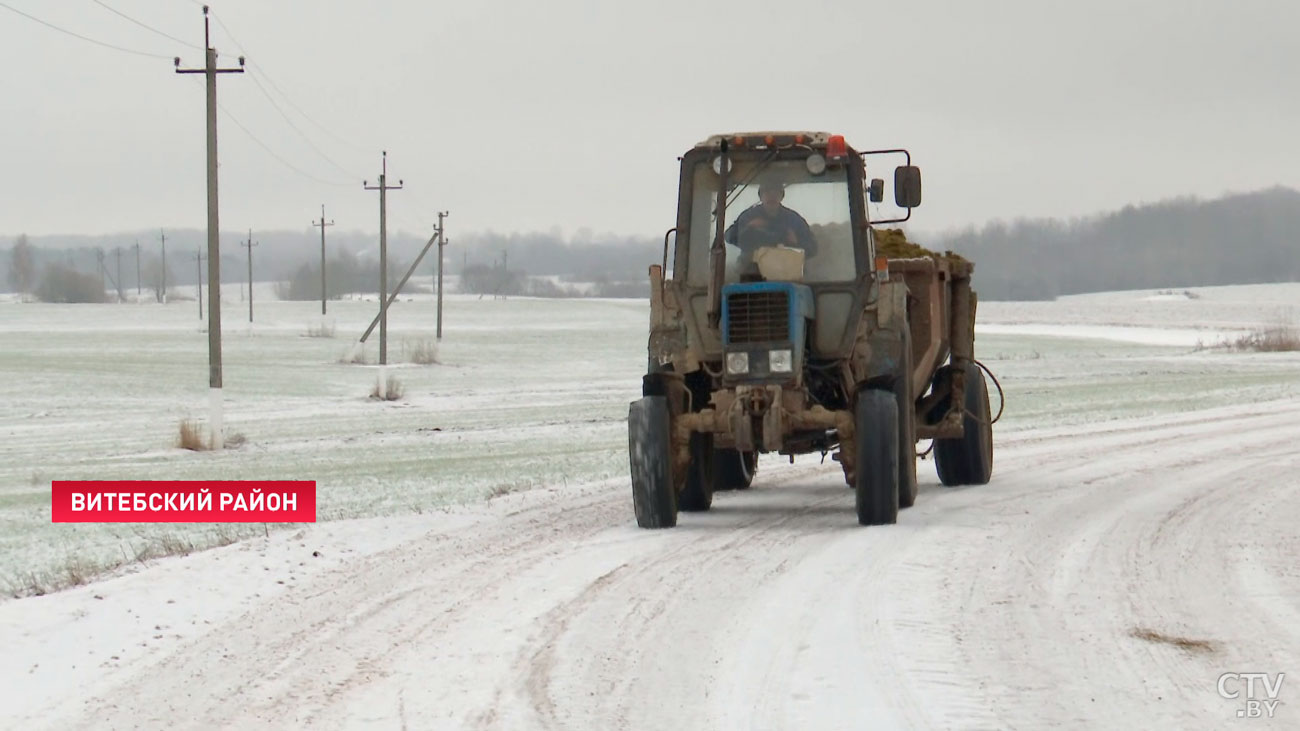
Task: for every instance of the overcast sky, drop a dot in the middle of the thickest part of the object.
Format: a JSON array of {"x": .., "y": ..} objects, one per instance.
[{"x": 529, "y": 115}]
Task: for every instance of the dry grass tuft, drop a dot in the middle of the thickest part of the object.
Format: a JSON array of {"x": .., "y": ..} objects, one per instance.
[
  {"x": 1196, "y": 647},
  {"x": 395, "y": 390},
  {"x": 320, "y": 331},
  {"x": 421, "y": 352},
  {"x": 1276, "y": 339},
  {"x": 191, "y": 436},
  {"x": 355, "y": 356}
]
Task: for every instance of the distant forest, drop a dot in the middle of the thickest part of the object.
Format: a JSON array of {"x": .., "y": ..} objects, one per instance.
[{"x": 1184, "y": 242}]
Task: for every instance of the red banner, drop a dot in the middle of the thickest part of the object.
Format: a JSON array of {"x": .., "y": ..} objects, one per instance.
[{"x": 183, "y": 501}]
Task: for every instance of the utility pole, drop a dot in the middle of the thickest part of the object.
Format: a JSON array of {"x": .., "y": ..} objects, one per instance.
[
  {"x": 137, "y": 269},
  {"x": 249, "y": 245},
  {"x": 210, "y": 72},
  {"x": 442, "y": 244},
  {"x": 505, "y": 273},
  {"x": 163, "y": 235},
  {"x": 383, "y": 189},
  {"x": 118, "y": 250},
  {"x": 99, "y": 257},
  {"x": 198, "y": 261},
  {"x": 322, "y": 223}
]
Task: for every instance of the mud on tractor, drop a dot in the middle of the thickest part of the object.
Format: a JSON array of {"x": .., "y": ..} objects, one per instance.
[{"x": 778, "y": 328}]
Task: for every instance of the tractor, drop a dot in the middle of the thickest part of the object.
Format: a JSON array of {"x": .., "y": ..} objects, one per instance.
[{"x": 780, "y": 328}]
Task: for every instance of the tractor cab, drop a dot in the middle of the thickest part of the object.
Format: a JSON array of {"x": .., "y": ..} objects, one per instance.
[{"x": 787, "y": 213}]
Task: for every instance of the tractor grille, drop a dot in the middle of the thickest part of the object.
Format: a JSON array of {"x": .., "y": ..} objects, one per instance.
[{"x": 758, "y": 317}]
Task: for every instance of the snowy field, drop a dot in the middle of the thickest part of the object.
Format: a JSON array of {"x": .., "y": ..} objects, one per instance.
[{"x": 477, "y": 563}]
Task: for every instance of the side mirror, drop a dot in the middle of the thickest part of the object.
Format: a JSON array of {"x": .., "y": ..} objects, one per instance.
[
  {"x": 876, "y": 191},
  {"x": 907, "y": 186}
]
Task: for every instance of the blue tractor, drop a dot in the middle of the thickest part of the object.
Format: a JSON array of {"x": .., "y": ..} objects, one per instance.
[{"x": 779, "y": 328}]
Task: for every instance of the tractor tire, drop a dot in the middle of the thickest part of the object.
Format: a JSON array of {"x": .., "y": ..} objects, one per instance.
[
  {"x": 968, "y": 459},
  {"x": 733, "y": 469},
  {"x": 876, "y": 471},
  {"x": 907, "y": 487},
  {"x": 697, "y": 495},
  {"x": 654, "y": 497}
]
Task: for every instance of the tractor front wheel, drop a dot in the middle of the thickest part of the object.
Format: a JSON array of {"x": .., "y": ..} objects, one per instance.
[
  {"x": 654, "y": 496},
  {"x": 697, "y": 495},
  {"x": 876, "y": 471},
  {"x": 733, "y": 469}
]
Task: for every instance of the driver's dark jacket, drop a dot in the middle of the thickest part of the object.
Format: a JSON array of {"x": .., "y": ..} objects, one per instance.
[{"x": 783, "y": 227}]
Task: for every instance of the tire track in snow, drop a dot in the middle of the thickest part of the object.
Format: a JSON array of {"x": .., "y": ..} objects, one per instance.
[{"x": 1007, "y": 605}]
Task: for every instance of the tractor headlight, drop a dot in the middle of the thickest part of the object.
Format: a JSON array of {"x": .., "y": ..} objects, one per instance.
[
  {"x": 780, "y": 361},
  {"x": 737, "y": 363}
]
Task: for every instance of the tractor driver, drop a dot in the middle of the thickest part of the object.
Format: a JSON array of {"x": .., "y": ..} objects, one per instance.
[{"x": 768, "y": 223}]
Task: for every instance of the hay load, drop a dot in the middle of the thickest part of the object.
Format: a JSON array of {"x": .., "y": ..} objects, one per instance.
[{"x": 893, "y": 243}]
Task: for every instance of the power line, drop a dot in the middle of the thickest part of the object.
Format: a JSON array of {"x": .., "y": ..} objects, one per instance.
[
  {"x": 81, "y": 37},
  {"x": 301, "y": 134},
  {"x": 273, "y": 153},
  {"x": 149, "y": 28},
  {"x": 258, "y": 69}
]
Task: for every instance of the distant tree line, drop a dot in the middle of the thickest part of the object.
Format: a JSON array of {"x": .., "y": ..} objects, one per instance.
[
  {"x": 345, "y": 274},
  {"x": 1185, "y": 242}
]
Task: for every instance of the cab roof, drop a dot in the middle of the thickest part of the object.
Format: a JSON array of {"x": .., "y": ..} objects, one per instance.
[{"x": 813, "y": 138}]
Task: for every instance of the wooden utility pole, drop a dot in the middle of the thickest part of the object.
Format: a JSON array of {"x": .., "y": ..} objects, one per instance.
[
  {"x": 210, "y": 72},
  {"x": 322, "y": 223},
  {"x": 198, "y": 261},
  {"x": 383, "y": 189},
  {"x": 442, "y": 244},
  {"x": 249, "y": 245}
]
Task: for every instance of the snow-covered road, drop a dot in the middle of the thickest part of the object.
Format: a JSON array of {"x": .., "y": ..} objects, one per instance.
[{"x": 1107, "y": 577}]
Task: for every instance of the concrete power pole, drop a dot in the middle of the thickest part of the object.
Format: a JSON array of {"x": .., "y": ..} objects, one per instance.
[
  {"x": 210, "y": 72},
  {"x": 249, "y": 245},
  {"x": 383, "y": 189},
  {"x": 198, "y": 262},
  {"x": 442, "y": 244},
  {"x": 322, "y": 223}
]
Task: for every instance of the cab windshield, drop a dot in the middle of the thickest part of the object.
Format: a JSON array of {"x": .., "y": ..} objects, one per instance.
[{"x": 796, "y": 209}]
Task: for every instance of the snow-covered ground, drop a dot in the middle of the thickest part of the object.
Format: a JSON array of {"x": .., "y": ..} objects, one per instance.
[{"x": 1136, "y": 542}]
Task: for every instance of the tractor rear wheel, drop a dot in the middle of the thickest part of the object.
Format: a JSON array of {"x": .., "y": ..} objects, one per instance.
[
  {"x": 654, "y": 495},
  {"x": 733, "y": 469},
  {"x": 968, "y": 459},
  {"x": 876, "y": 469},
  {"x": 697, "y": 495}
]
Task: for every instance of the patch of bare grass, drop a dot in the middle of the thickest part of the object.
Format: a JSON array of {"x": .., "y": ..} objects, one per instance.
[
  {"x": 355, "y": 356},
  {"x": 191, "y": 436},
  {"x": 421, "y": 352},
  {"x": 320, "y": 331},
  {"x": 1275, "y": 339},
  {"x": 1193, "y": 646},
  {"x": 394, "y": 390}
]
